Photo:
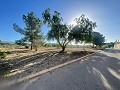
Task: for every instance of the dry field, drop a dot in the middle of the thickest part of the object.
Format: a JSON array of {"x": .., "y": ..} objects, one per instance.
[{"x": 22, "y": 62}]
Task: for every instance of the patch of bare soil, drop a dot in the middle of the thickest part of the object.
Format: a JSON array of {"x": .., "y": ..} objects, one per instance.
[{"x": 23, "y": 66}]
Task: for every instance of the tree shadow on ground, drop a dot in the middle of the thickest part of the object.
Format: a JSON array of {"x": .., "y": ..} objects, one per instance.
[
  {"x": 102, "y": 68},
  {"x": 112, "y": 51},
  {"x": 19, "y": 51},
  {"x": 106, "y": 69},
  {"x": 20, "y": 67}
]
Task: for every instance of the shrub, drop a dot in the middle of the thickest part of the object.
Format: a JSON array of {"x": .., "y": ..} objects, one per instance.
[
  {"x": 3, "y": 54},
  {"x": 8, "y": 52},
  {"x": 26, "y": 47}
]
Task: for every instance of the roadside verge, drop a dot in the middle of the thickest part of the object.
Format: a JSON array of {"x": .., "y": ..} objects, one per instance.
[{"x": 28, "y": 77}]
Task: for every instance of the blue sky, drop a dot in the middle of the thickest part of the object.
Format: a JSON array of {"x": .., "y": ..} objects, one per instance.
[{"x": 106, "y": 13}]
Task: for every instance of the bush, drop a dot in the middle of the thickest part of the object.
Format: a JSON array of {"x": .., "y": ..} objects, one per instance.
[
  {"x": 47, "y": 45},
  {"x": 58, "y": 46},
  {"x": 3, "y": 54},
  {"x": 26, "y": 47},
  {"x": 8, "y": 52}
]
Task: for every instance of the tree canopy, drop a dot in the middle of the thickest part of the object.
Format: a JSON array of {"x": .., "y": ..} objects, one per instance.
[
  {"x": 98, "y": 38},
  {"x": 83, "y": 31},
  {"x": 20, "y": 42}
]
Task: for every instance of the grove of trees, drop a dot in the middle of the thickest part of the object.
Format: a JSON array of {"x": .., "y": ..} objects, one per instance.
[{"x": 59, "y": 31}]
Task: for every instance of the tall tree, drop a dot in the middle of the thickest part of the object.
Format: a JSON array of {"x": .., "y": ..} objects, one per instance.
[
  {"x": 83, "y": 30},
  {"x": 59, "y": 31},
  {"x": 32, "y": 31},
  {"x": 98, "y": 38}
]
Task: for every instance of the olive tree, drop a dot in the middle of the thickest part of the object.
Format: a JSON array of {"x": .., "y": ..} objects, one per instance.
[
  {"x": 58, "y": 31},
  {"x": 83, "y": 30}
]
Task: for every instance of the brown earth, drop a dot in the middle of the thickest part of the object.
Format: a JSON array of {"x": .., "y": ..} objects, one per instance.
[{"x": 24, "y": 62}]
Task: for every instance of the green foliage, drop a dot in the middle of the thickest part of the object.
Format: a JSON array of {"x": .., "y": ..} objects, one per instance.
[
  {"x": 32, "y": 31},
  {"x": 18, "y": 29},
  {"x": 26, "y": 46},
  {"x": 51, "y": 19},
  {"x": 83, "y": 31},
  {"x": 58, "y": 46},
  {"x": 58, "y": 31},
  {"x": 21, "y": 42},
  {"x": 111, "y": 44},
  {"x": 47, "y": 45},
  {"x": 0, "y": 41},
  {"x": 8, "y": 52},
  {"x": 3, "y": 54},
  {"x": 98, "y": 38}
]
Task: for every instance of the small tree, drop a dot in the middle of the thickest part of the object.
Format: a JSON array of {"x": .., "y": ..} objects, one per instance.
[
  {"x": 32, "y": 31},
  {"x": 20, "y": 42},
  {"x": 59, "y": 31},
  {"x": 98, "y": 39},
  {"x": 0, "y": 42},
  {"x": 83, "y": 31}
]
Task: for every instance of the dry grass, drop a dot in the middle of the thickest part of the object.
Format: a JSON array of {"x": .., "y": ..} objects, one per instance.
[{"x": 17, "y": 53}]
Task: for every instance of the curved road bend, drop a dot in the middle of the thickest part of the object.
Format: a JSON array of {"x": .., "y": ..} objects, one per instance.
[{"x": 98, "y": 72}]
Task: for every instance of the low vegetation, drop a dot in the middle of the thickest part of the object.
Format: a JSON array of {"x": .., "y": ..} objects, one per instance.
[{"x": 3, "y": 54}]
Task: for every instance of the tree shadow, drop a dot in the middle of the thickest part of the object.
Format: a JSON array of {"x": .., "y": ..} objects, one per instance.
[
  {"x": 34, "y": 63},
  {"x": 20, "y": 51},
  {"x": 112, "y": 50},
  {"x": 106, "y": 69},
  {"x": 102, "y": 68}
]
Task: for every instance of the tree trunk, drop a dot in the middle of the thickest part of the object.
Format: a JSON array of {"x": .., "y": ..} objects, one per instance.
[
  {"x": 84, "y": 47},
  {"x": 35, "y": 47},
  {"x": 93, "y": 46},
  {"x": 63, "y": 48},
  {"x": 31, "y": 45}
]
